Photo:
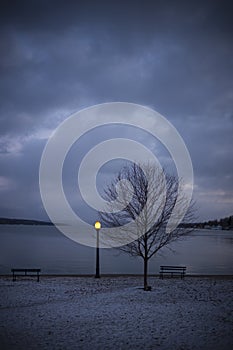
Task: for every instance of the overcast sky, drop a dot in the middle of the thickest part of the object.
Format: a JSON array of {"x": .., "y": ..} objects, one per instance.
[{"x": 58, "y": 57}]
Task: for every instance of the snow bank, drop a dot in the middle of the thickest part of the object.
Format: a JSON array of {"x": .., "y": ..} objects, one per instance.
[{"x": 115, "y": 313}]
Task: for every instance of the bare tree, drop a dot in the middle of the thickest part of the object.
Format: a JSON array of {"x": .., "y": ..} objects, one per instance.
[{"x": 140, "y": 214}]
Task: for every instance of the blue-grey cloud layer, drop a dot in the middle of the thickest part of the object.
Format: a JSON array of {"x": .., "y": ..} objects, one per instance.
[{"x": 58, "y": 57}]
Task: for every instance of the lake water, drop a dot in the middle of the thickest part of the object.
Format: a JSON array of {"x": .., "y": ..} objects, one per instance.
[{"x": 203, "y": 252}]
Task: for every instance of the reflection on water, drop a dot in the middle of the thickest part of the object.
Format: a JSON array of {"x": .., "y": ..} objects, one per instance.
[{"x": 204, "y": 252}]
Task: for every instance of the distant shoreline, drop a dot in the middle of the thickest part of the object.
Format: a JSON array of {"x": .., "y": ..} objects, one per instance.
[
  {"x": 17, "y": 221},
  {"x": 8, "y": 221}
]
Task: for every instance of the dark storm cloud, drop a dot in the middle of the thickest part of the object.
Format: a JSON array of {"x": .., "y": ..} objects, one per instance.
[
  {"x": 56, "y": 55},
  {"x": 175, "y": 56},
  {"x": 20, "y": 182}
]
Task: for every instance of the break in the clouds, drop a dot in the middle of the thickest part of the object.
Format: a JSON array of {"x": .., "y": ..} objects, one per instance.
[{"x": 173, "y": 56}]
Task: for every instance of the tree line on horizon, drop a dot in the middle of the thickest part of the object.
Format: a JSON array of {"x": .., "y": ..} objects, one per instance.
[
  {"x": 10, "y": 221},
  {"x": 223, "y": 223}
]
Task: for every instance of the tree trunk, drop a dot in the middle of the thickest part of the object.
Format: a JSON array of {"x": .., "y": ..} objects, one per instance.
[{"x": 145, "y": 273}]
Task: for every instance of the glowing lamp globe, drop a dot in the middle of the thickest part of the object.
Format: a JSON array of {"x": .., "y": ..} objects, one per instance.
[{"x": 97, "y": 225}]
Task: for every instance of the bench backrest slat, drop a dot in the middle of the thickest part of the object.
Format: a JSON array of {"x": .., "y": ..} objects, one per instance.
[
  {"x": 23, "y": 270},
  {"x": 173, "y": 267}
]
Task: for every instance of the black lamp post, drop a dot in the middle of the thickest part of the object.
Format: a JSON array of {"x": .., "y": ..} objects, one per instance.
[{"x": 97, "y": 227}]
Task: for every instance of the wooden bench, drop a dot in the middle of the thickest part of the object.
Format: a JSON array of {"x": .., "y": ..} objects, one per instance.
[
  {"x": 172, "y": 271},
  {"x": 26, "y": 272}
]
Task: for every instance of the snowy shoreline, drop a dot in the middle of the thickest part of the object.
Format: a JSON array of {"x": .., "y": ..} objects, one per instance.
[
  {"x": 116, "y": 275},
  {"x": 65, "y": 312}
]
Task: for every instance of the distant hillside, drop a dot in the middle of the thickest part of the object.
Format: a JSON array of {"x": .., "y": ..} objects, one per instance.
[
  {"x": 224, "y": 223},
  {"x": 221, "y": 224},
  {"x": 8, "y": 221}
]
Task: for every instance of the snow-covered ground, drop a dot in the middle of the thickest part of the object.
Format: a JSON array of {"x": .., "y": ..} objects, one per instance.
[{"x": 115, "y": 313}]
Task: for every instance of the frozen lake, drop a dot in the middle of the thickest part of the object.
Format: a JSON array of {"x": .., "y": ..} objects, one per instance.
[{"x": 203, "y": 252}]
